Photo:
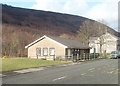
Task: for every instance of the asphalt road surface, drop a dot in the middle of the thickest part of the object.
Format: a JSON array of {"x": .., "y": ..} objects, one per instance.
[{"x": 103, "y": 71}]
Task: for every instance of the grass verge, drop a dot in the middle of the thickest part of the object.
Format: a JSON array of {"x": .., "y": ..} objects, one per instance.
[{"x": 10, "y": 64}]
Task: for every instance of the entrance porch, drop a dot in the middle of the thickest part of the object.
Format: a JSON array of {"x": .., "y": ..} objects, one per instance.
[{"x": 76, "y": 54}]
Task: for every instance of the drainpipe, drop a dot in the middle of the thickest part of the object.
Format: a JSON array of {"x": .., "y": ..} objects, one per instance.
[{"x": 94, "y": 52}]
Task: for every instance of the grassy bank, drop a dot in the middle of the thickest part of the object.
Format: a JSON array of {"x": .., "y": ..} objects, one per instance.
[{"x": 21, "y": 63}]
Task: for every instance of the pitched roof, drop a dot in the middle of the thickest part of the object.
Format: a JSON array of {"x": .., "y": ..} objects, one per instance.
[{"x": 67, "y": 42}]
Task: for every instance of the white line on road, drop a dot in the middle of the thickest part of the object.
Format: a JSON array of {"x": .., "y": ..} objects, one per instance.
[
  {"x": 110, "y": 72},
  {"x": 92, "y": 69},
  {"x": 59, "y": 78},
  {"x": 1, "y": 75},
  {"x": 29, "y": 70},
  {"x": 83, "y": 74}
]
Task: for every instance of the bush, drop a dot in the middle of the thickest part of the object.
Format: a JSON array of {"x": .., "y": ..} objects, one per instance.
[
  {"x": 106, "y": 55},
  {"x": 4, "y": 57},
  {"x": 96, "y": 55},
  {"x": 18, "y": 55}
]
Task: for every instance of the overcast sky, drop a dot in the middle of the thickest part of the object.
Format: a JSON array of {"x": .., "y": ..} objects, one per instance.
[{"x": 106, "y": 10}]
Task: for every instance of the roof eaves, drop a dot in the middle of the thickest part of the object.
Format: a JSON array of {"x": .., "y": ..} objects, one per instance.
[{"x": 35, "y": 41}]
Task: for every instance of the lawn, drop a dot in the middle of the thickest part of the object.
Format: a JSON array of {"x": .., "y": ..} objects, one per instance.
[{"x": 9, "y": 64}]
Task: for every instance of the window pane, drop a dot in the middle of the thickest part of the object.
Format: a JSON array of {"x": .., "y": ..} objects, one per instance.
[
  {"x": 52, "y": 51},
  {"x": 45, "y": 51},
  {"x": 38, "y": 51},
  {"x": 69, "y": 53}
]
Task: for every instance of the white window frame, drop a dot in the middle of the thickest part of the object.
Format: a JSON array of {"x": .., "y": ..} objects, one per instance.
[
  {"x": 38, "y": 51},
  {"x": 45, "y": 54},
  {"x": 50, "y": 53}
]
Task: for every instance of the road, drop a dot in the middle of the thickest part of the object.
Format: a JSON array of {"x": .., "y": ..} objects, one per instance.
[{"x": 104, "y": 71}]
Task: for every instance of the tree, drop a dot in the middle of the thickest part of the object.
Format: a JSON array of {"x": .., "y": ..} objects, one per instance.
[
  {"x": 101, "y": 42},
  {"x": 102, "y": 28},
  {"x": 84, "y": 32},
  {"x": 89, "y": 29},
  {"x": 92, "y": 29},
  {"x": 14, "y": 39}
]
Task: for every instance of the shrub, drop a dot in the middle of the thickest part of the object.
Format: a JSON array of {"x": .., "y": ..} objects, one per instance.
[
  {"x": 4, "y": 57},
  {"x": 96, "y": 55}
]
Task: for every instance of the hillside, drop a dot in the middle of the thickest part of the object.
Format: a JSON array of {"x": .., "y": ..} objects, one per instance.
[
  {"x": 22, "y": 26},
  {"x": 42, "y": 20}
]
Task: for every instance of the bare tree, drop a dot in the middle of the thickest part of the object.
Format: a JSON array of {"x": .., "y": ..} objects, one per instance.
[
  {"x": 92, "y": 29},
  {"x": 85, "y": 32},
  {"x": 14, "y": 39},
  {"x": 102, "y": 28}
]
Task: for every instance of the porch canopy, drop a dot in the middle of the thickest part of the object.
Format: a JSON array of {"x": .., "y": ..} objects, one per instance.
[{"x": 75, "y": 49}]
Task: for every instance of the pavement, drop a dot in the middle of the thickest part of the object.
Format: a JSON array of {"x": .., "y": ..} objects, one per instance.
[
  {"x": 104, "y": 71},
  {"x": 30, "y": 70}
]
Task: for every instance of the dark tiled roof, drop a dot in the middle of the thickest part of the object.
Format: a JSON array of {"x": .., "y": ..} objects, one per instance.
[{"x": 69, "y": 42}]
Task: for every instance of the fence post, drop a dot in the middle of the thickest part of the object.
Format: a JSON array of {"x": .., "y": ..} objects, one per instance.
[
  {"x": 54, "y": 57},
  {"x": 66, "y": 57},
  {"x": 72, "y": 58},
  {"x": 84, "y": 56},
  {"x": 88, "y": 56}
]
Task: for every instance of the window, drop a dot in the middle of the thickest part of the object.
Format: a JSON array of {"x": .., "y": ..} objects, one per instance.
[
  {"x": 38, "y": 51},
  {"x": 45, "y": 51},
  {"x": 52, "y": 51}
]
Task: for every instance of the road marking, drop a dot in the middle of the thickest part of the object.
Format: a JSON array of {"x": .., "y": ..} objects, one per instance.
[
  {"x": 92, "y": 69},
  {"x": 89, "y": 75},
  {"x": 110, "y": 72},
  {"x": 29, "y": 70},
  {"x": 117, "y": 69},
  {"x": 83, "y": 74},
  {"x": 64, "y": 65},
  {"x": 59, "y": 78},
  {"x": 1, "y": 75}
]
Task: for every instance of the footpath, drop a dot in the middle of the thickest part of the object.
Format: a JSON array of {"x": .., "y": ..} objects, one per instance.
[{"x": 30, "y": 70}]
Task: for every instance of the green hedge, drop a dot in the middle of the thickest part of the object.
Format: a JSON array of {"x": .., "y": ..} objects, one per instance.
[{"x": 96, "y": 55}]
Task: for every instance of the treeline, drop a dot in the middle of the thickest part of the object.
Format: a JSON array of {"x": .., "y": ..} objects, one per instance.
[
  {"x": 16, "y": 37},
  {"x": 14, "y": 40}
]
